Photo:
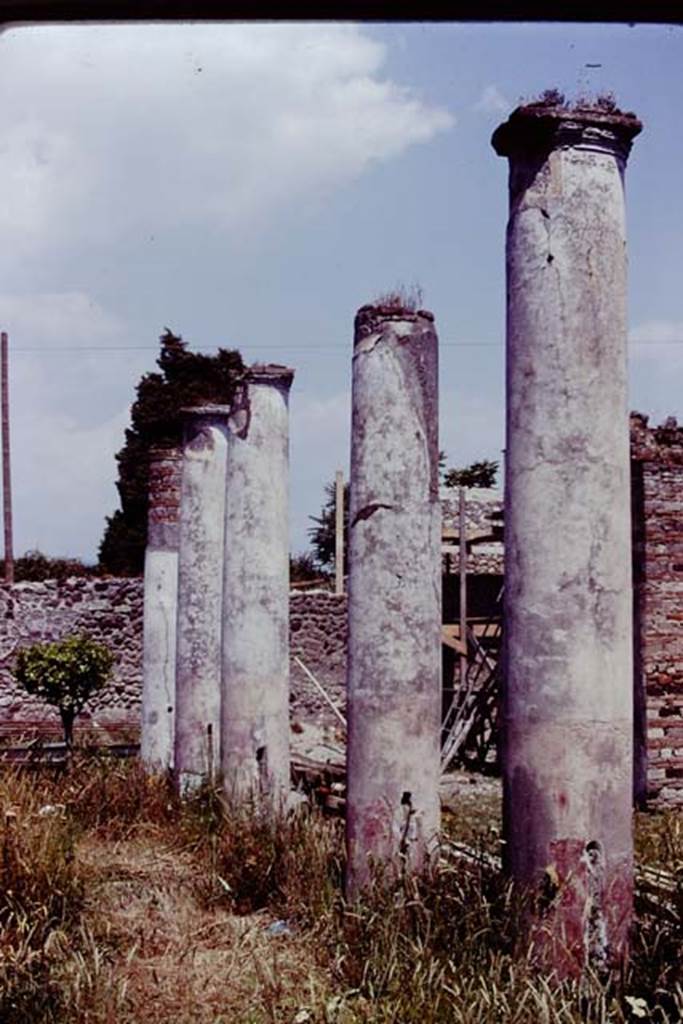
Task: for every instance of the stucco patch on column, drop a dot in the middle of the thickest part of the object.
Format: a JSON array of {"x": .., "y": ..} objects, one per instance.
[
  {"x": 160, "y": 610},
  {"x": 255, "y": 676},
  {"x": 200, "y": 589},
  {"x": 394, "y": 666},
  {"x": 567, "y": 743}
]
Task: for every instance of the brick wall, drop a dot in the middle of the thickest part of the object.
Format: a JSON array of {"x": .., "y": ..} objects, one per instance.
[{"x": 657, "y": 496}]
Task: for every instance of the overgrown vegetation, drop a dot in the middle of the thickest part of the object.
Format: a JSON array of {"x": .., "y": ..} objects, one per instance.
[
  {"x": 602, "y": 103},
  {"x": 186, "y": 378},
  {"x": 64, "y": 673},
  {"x": 477, "y": 474},
  {"x": 402, "y": 299},
  {"x": 34, "y": 566},
  {"x": 303, "y": 567},
  {"x": 120, "y": 904}
]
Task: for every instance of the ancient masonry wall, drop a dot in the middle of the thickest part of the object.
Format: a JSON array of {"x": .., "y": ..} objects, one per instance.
[
  {"x": 110, "y": 610},
  {"x": 483, "y": 516},
  {"x": 657, "y": 500}
]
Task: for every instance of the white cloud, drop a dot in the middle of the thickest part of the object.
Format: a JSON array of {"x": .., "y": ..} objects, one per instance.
[
  {"x": 110, "y": 134},
  {"x": 113, "y": 127},
  {"x": 57, "y": 361},
  {"x": 63, "y": 482},
  {"x": 49, "y": 319},
  {"x": 492, "y": 101},
  {"x": 69, "y": 406}
]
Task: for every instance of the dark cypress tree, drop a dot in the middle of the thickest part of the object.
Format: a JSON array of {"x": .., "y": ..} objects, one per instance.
[
  {"x": 323, "y": 535},
  {"x": 186, "y": 378}
]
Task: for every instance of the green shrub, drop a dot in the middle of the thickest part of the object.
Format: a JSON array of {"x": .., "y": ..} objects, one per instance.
[
  {"x": 65, "y": 673},
  {"x": 34, "y": 566}
]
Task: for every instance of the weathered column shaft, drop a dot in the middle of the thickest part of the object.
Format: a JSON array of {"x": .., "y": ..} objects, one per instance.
[
  {"x": 200, "y": 588},
  {"x": 394, "y": 666},
  {"x": 160, "y": 609},
  {"x": 255, "y": 678},
  {"x": 567, "y": 748}
]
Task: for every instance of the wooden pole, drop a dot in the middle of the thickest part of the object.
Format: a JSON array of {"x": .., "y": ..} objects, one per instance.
[
  {"x": 462, "y": 524},
  {"x": 320, "y": 690},
  {"x": 339, "y": 534},
  {"x": 6, "y": 477}
]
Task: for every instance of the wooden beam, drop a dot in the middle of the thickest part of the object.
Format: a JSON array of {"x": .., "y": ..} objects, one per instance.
[{"x": 462, "y": 524}]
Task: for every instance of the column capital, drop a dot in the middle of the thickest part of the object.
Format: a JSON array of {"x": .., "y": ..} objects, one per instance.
[
  {"x": 270, "y": 373},
  {"x": 539, "y": 128},
  {"x": 370, "y": 318}
]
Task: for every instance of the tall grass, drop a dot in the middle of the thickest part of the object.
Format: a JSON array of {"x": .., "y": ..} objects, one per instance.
[
  {"x": 443, "y": 947},
  {"x": 41, "y": 895},
  {"x": 257, "y": 856}
]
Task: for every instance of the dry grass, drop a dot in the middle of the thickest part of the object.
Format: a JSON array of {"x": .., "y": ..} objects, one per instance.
[
  {"x": 165, "y": 914},
  {"x": 172, "y": 958}
]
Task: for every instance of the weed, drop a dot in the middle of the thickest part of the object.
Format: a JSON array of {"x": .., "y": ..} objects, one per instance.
[
  {"x": 41, "y": 893},
  {"x": 401, "y": 300},
  {"x": 260, "y": 856},
  {"x": 117, "y": 797}
]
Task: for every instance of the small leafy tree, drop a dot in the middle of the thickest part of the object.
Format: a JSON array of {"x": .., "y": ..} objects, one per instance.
[
  {"x": 478, "y": 474},
  {"x": 65, "y": 673}
]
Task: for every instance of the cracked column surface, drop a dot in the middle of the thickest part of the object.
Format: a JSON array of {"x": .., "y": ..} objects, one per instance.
[
  {"x": 567, "y": 708},
  {"x": 200, "y": 588},
  {"x": 394, "y": 661},
  {"x": 255, "y": 678},
  {"x": 160, "y": 608}
]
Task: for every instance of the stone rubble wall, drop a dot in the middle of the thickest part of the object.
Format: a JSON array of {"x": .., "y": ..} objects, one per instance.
[
  {"x": 110, "y": 611},
  {"x": 318, "y": 633}
]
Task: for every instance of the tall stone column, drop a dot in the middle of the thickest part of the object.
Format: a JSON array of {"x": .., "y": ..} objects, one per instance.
[
  {"x": 160, "y": 608},
  {"x": 255, "y": 680},
  {"x": 394, "y": 662},
  {"x": 200, "y": 589},
  {"x": 567, "y": 746}
]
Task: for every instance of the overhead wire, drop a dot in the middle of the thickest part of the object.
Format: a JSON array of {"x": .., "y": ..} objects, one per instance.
[{"x": 294, "y": 347}]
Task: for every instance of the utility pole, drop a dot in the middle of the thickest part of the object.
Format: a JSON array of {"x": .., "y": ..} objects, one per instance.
[
  {"x": 6, "y": 476},
  {"x": 339, "y": 533}
]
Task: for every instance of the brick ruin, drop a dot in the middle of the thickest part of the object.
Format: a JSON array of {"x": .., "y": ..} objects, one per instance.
[
  {"x": 657, "y": 510},
  {"x": 657, "y": 531}
]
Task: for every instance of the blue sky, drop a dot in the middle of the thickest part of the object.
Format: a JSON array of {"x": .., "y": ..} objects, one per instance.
[{"x": 251, "y": 186}]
